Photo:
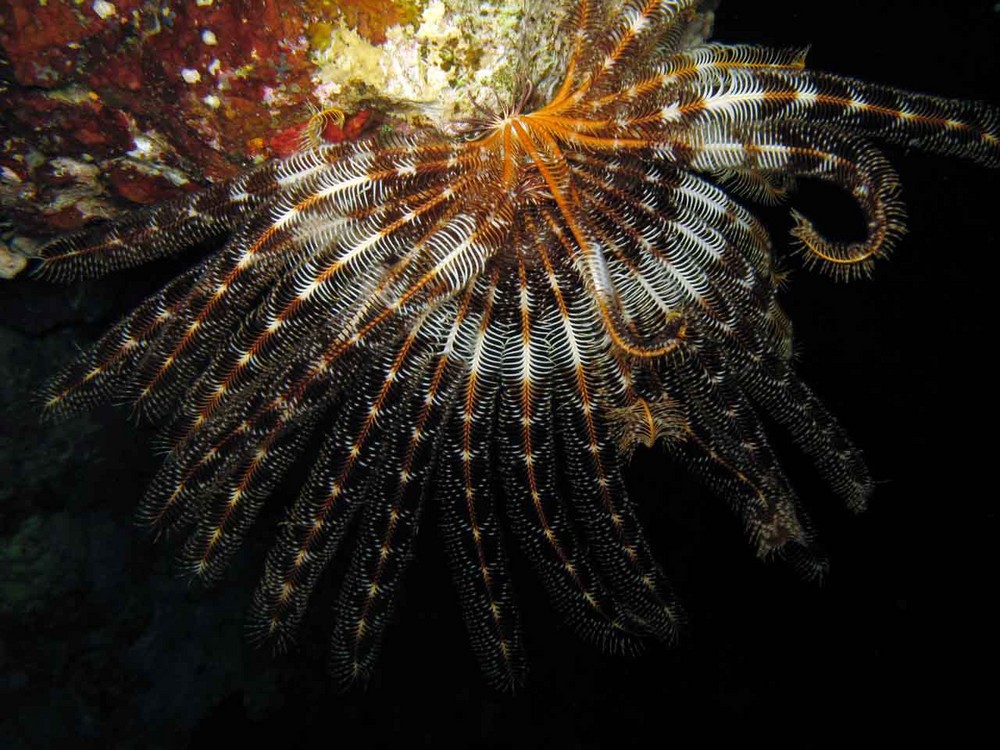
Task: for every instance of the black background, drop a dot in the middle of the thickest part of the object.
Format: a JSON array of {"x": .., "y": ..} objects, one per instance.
[{"x": 893, "y": 640}]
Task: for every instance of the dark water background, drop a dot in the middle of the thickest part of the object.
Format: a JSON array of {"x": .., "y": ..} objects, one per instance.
[{"x": 119, "y": 652}]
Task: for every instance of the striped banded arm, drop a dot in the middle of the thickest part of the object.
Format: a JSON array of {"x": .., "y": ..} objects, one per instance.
[
  {"x": 537, "y": 509},
  {"x": 679, "y": 245},
  {"x": 731, "y": 451},
  {"x": 297, "y": 231},
  {"x": 943, "y": 126},
  {"x": 772, "y": 383},
  {"x": 237, "y": 433},
  {"x": 599, "y": 501},
  {"x": 823, "y": 153},
  {"x": 352, "y": 458},
  {"x": 470, "y": 518},
  {"x": 387, "y": 527},
  {"x": 171, "y": 227},
  {"x": 103, "y": 371}
]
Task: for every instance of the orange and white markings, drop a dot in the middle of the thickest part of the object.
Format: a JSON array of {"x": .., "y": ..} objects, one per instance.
[{"x": 562, "y": 281}]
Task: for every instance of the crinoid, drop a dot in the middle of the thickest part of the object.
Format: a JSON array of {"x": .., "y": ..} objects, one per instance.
[{"x": 492, "y": 322}]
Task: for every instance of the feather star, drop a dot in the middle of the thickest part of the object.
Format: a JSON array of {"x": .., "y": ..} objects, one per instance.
[{"x": 491, "y": 320}]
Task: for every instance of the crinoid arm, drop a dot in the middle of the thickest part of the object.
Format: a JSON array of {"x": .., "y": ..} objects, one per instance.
[{"x": 492, "y": 322}]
